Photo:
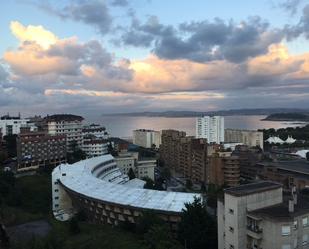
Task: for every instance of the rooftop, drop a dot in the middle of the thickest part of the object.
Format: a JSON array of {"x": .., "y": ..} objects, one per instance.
[
  {"x": 281, "y": 211},
  {"x": 79, "y": 178},
  {"x": 298, "y": 166},
  {"x": 65, "y": 117},
  {"x": 252, "y": 188}
]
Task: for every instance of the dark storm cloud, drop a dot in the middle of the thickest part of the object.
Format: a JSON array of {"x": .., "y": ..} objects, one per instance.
[{"x": 204, "y": 41}]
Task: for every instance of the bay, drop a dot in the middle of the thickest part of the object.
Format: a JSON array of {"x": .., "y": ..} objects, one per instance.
[{"x": 122, "y": 126}]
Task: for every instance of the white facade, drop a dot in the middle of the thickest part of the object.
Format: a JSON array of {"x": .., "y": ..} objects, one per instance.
[
  {"x": 246, "y": 137},
  {"x": 146, "y": 168},
  {"x": 211, "y": 128},
  {"x": 100, "y": 179},
  {"x": 147, "y": 138},
  {"x": 141, "y": 168},
  {"x": 12, "y": 126},
  {"x": 95, "y": 130},
  {"x": 72, "y": 128},
  {"x": 95, "y": 148}
]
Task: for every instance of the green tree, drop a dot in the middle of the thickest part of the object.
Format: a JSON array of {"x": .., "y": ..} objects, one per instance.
[
  {"x": 74, "y": 226},
  {"x": 75, "y": 154},
  {"x": 146, "y": 221},
  {"x": 10, "y": 143},
  {"x": 197, "y": 228},
  {"x": 131, "y": 174},
  {"x": 160, "y": 237},
  {"x": 307, "y": 156},
  {"x": 150, "y": 184},
  {"x": 166, "y": 173}
]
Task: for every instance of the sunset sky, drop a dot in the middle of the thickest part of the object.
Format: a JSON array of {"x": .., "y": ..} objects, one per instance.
[{"x": 93, "y": 57}]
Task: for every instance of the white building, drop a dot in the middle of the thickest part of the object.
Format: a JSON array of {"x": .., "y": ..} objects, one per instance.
[
  {"x": 68, "y": 124},
  {"x": 97, "y": 186},
  {"x": 141, "y": 167},
  {"x": 95, "y": 147},
  {"x": 211, "y": 128},
  {"x": 147, "y": 138},
  {"x": 146, "y": 168},
  {"x": 95, "y": 130},
  {"x": 258, "y": 215},
  {"x": 11, "y": 125}
]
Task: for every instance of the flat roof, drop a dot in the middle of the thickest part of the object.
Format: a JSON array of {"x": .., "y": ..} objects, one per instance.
[
  {"x": 252, "y": 188},
  {"x": 281, "y": 211},
  {"x": 297, "y": 166},
  {"x": 78, "y": 178}
]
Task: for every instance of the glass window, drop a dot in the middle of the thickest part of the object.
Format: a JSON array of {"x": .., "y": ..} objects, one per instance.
[
  {"x": 285, "y": 230},
  {"x": 231, "y": 211},
  {"x": 305, "y": 221},
  {"x": 231, "y": 229}
]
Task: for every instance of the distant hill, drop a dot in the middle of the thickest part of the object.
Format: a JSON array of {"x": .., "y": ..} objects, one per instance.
[
  {"x": 291, "y": 116},
  {"x": 219, "y": 113}
]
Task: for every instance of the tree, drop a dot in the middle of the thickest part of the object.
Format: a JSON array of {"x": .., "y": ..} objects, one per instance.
[
  {"x": 149, "y": 183},
  {"x": 307, "y": 156},
  {"x": 197, "y": 228},
  {"x": 10, "y": 143},
  {"x": 131, "y": 174},
  {"x": 146, "y": 221},
  {"x": 74, "y": 226},
  {"x": 166, "y": 173},
  {"x": 76, "y": 154},
  {"x": 160, "y": 237}
]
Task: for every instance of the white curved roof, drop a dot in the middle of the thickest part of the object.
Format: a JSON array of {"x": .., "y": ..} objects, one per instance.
[
  {"x": 81, "y": 177},
  {"x": 290, "y": 140},
  {"x": 275, "y": 140}
]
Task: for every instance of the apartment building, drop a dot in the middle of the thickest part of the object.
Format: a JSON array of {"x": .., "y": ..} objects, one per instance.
[
  {"x": 39, "y": 149},
  {"x": 147, "y": 138},
  {"x": 211, "y": 128},
  {"x": 145, "y": 167},
  {"x": 66, "y": 124},
  {"x": 223, "y": 169},
  {"x": 197, "y": 160},
  {"x": 96, "y": 130},
  {"x": 10, "y": 125},
  {"x": 246, "y": 137},
  {"x": 93, "y": 146},
  {"x": 258, "y": 215}
]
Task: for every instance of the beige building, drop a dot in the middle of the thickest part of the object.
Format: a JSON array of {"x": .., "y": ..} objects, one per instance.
[
  {"x": 147, "y": 138},
  {"x": 259, "y": 216},
  {"x": 246, "y": 137}
]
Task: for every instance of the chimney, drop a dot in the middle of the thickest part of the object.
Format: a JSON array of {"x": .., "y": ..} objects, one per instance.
[{"x": 291, "y": 206}]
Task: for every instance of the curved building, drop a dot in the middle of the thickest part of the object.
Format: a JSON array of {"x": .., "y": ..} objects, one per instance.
[{"x": 98, "y": 187}]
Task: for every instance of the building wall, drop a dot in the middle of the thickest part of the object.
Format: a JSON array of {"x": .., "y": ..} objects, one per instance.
[
  {"x": 38, "y": 149},
  {"x": 12, "y": 126},
  {"x": 146, "y": 168},
  {"x": 146, "y": 138},
  {"x": 71, "y": 128},
  {"x": 247, "y": 137},
  {"x": 235, "y": 215},
  {"x": 211, "y": 128}
]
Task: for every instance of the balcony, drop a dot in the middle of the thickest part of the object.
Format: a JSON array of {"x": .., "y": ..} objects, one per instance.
[{"x": 255, "y": 232}]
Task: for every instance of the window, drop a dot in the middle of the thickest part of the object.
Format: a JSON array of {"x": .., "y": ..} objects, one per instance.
[
  {"x": 231, "y": 229},
  {"x": 285, "y": 230},
  {"x": 64, "y": 174},
  {"x": 56, "y": 205},
  {"x": 57, "y": 197},
  {"x": 56, "y": 190},
  {"x": 305, "y": 239},
  {"x": 305, "y": 221},
  {"x": 231, "y": 211},
  {"x": 295, "y": 224}
]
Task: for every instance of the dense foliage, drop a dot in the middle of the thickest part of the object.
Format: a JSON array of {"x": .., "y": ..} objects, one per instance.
[{"x": 197, "y": 228}]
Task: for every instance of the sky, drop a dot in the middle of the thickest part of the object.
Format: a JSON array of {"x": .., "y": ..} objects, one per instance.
[{"x": 95, "y": 57}]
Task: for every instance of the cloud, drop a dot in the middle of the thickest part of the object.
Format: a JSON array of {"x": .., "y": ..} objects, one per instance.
[
  {"x": 95, "y": 13},
  {"x": 290, "y": 6},
  {"x": 203, "y": 41},
  {"x": 121, "y": 3}
]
